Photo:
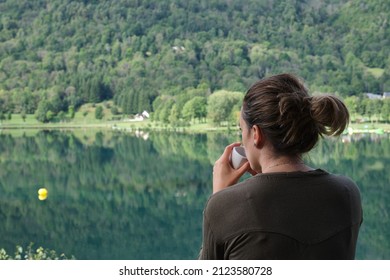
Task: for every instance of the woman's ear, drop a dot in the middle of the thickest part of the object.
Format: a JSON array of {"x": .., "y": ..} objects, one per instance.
[{"x": 257, "y": 135}]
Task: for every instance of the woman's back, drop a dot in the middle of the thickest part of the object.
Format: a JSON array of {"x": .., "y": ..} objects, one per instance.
[{"x": 290, "y": 215}]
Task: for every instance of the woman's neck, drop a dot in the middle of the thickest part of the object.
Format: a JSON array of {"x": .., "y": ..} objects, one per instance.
[{"x": 284, "y": 164}]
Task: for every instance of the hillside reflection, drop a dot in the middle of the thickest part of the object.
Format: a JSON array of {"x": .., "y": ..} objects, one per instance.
[{"x": 121, "y": 196}]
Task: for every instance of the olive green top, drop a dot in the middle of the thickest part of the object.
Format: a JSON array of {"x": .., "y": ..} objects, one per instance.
[{"x": 286, "y": 215}]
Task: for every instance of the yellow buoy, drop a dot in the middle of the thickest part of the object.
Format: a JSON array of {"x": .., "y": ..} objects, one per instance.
[{"x": 42, "y": 193}]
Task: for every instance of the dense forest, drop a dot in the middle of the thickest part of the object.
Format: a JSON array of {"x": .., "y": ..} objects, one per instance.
[{"x": 159, "y": 55}]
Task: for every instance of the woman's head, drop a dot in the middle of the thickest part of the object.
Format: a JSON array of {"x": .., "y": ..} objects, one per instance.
[{"x": 289, "y": 118}]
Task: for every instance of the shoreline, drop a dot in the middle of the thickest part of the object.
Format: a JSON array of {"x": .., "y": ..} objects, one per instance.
[{"x": 153, "y": 126}]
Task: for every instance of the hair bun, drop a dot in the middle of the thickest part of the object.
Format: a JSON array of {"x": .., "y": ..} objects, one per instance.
[{"x": 330, "y": 114}]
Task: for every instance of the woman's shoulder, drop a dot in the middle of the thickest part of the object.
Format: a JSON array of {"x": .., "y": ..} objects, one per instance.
[
  {"x": 234, "y": 198},
  {"x": 227, "y": 209},
  {"x": 342, "y": 181},
  {"x": 236, "y": 191}
]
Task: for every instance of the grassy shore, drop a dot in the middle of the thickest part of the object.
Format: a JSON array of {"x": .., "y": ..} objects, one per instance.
[
  {"x": 124, "y": 125},
  {"x": 85, "y": 119}
]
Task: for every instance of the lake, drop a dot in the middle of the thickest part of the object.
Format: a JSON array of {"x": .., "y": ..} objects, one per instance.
[{"x": 115, "y": 195}]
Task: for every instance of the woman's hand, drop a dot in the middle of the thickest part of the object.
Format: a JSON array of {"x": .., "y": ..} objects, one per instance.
[{"x": 224, "y": 175}]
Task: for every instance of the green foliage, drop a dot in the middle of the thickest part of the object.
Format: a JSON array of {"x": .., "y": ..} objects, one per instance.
[
  {"x": 222, "y": 106},
  {"x": 352, "y": 103},
  {"x": 99, "y": 114},
  {"x": 71, "y": 111},
  {"x": 385, "y": 111},
  {"x": 49, "y": 116},
  {"x": 31, "y": 254},
  {"x": 162, "y": 107},
  {"x": 367, "y": 108},
  {"x": 174, "y": 115},
  {"x": 136, "y": 51},
  {"x": 196, "y": 108},
  {"x": 114, "y": 110},
  {"x": 23, "y": 115},
  {"x": 43, "y": 113}
]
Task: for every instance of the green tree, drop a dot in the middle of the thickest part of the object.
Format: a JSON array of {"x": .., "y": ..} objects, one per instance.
[
  {"x": 114, "y": 110},
  {"x": 385, "y": 111},
  {"x": 41, "y": 113},
  {"x": 221, "y": 104},
  {"x": 196, "y": 108},
  {"x": 61, "y": 116},
  {"x": 163, "y": 108},
  {"x": 352, "y": 103},
  {"x": 369, "y": 105},
  {"x": 378, "y": 103},
  {"x": 99, "y": 114},
  {"x": 174, "y": 116},
  {"x": 361, "y": 107},
  {"x": 71, "y": 111},
  {"x": 49, "y": 116},
  {"x": 23, "y": 115}
]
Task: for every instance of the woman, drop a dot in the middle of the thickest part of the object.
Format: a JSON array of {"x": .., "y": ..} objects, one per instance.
[{"x": 287, "y": 210}]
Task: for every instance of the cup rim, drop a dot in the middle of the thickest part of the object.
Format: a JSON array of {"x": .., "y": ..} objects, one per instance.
[{"x": 240, "y": 150}]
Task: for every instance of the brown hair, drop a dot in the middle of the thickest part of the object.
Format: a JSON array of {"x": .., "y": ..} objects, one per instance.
[{"x": 291, "y": 119}]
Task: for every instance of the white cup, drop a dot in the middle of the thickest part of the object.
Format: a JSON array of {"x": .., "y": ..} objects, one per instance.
[{"x": 238, "y": 157}]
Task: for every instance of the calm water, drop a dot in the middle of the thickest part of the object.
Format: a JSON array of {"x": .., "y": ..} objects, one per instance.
[{"x": 118, "y": 196}]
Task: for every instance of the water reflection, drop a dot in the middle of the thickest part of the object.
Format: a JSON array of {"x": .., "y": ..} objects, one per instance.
[{"x": 121, "y": 196}]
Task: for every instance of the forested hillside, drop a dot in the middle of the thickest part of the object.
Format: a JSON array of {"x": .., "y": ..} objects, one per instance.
[{"x": 58, "y": 54}]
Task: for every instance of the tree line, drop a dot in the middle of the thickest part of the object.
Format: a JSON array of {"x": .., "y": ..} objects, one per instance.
[
  {"x": 365, "y": 109},
  {"x": 65, "y": 53},
  {"x": 223, "y": 107}
]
